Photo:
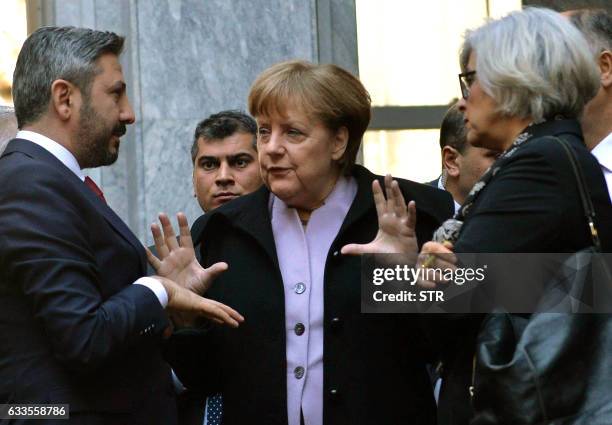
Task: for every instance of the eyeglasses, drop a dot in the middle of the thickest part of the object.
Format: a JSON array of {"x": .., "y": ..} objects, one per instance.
[{"x": 466, "y": 79}]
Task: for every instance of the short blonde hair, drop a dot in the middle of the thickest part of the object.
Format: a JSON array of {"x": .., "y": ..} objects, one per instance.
[
  {"x": 534, "y": 63},
  {"x": 326, "y": 93}
]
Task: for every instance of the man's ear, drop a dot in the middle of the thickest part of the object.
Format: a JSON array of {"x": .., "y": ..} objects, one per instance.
[
  {"x": 65, "y": 99},
  {"x": 605, "y": 67},
  {"x": 450, "y": 161},
  {"x": 340, "y": 143}
]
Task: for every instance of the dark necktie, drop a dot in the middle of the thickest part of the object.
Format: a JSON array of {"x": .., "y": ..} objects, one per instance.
[
  {"x": 214, "y": 410},
  {"x": 94, "y": 188}
]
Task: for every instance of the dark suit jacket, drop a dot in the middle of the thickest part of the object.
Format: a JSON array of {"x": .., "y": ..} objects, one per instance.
[
  {"x": 73, "y": 328},
  {"x": 532, "y": 205},
  {"x": 374, "y": 365},
  {"x": 190, "y": 405},
  {"x": 433, "y": 183}
]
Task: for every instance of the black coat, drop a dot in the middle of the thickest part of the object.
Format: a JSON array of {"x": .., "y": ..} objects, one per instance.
[
  {"x": 374, "y": 365},
  {"x": 532, "y": 205},
  {"x": 73, "y": 328},
  {"x": 433, "y": 183}
]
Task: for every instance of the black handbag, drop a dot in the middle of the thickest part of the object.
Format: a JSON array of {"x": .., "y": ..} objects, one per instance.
[{"x": 549, "y": 368}]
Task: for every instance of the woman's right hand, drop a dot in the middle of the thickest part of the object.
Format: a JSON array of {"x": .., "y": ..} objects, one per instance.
[
  {"x": 184, "y": 279},
  {"x": 177, "y": 260},
  {"x": 396, "y": 223}
]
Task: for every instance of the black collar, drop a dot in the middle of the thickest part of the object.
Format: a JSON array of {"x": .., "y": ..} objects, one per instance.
[{"x": 555, "y": 127}]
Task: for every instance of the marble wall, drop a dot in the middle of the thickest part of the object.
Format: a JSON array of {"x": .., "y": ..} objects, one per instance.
[{"x": 186, "y": 59}]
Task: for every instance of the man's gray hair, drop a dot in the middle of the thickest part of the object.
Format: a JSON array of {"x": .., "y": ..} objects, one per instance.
[
  {"x": 52, "y": 53},
  {"x": 533, "y": 63},
  {"x": 596, "y": 25},
  {"x": 8, "y": 126}
]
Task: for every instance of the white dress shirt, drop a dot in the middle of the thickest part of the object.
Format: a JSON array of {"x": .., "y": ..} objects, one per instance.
[
  {"x": 441, "y": 187},
  {"x": 67, "y": 158},
  {"x": 603, "y": 153}
]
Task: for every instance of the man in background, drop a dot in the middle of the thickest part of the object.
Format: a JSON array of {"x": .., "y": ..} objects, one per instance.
[
  {"x": 596, "y": 25},
  {"x": 225, "y": 166},
  {"x": 462, "y": 166},
  {"x": 462, "y": 163},
  {"x": 224, "y": 156},
  {"x": 8, "y": 126}
]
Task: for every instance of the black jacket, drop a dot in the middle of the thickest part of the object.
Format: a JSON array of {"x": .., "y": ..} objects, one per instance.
[
  {"x": 374, "y": 365},
  {"x": 73, "y": 328},
  {"x": 532, "y": 205},
  {"x": 433, "y": 183}
]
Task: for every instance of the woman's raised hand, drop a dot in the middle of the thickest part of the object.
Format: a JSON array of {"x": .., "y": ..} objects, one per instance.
[
  {"x": 396, "y": 223},
  {"x": 184, "y": 279},
  {"x": 176, "y": 258}
]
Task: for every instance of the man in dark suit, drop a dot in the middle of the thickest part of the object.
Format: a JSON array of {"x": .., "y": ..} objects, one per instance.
[
  {"x": 225, "y": 167},
  {"x": 78, "y": 323}
]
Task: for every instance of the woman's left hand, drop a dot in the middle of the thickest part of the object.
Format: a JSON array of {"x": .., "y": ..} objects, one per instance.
[{"x": 396, "y": 223}]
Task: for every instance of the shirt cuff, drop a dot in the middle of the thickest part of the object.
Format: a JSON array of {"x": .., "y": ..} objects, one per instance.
[{"x": 157, "y": 288}]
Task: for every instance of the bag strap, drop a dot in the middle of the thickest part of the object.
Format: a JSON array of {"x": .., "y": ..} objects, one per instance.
[{"x": 585, "y": 198}]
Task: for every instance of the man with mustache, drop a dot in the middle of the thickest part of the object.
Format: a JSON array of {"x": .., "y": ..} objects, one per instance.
[
  {"x": 225, "y": 166},
  {"x": 224, "y": 156},
  {"x": 79, "y": 324}
]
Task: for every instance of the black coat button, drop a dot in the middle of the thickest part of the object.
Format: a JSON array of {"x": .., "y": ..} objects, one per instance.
[
  {"x": 299, "y": 329},
  {"x": 334, "y": 395},
  {"x": 336, "y": 324}
]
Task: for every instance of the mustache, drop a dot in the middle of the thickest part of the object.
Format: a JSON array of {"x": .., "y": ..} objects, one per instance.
[{"x": 119, "y": 130}]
